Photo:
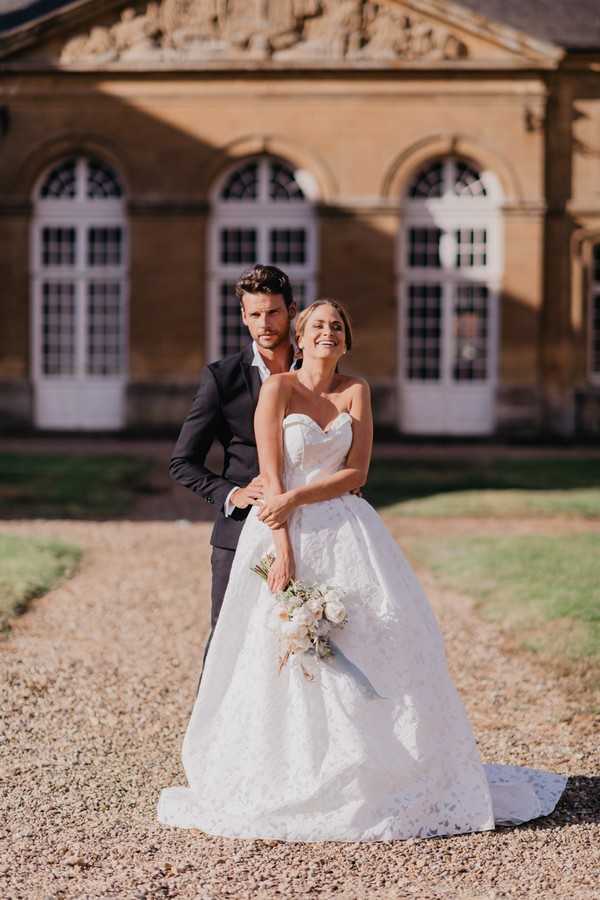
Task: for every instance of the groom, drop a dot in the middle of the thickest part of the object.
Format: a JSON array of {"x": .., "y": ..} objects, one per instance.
[{"x": 223, "y": 409}]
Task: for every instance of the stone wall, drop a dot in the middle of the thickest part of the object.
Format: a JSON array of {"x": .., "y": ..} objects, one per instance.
[{"x": 360, "y": 132}]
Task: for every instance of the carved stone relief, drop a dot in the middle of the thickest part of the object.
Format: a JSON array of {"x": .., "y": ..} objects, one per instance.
[
  {"x": 331, "y": 31},
  {"x": 392, "y": 33}
]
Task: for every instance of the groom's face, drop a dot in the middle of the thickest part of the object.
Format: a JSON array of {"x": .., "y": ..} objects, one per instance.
[{"x": 267, "y": 318}]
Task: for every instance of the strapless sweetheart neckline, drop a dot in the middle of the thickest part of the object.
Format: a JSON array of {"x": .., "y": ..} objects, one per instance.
[{"x": 327, "y": 428}]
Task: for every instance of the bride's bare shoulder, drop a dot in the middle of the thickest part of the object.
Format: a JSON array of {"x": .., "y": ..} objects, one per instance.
[
  {"x": 278, "y": 385},
  {"x": 281, "y": 381},
  {"x": 354, "y": 385}
]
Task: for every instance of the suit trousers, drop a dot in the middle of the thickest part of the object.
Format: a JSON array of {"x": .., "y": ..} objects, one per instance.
[{"x": 221, "y": 560}]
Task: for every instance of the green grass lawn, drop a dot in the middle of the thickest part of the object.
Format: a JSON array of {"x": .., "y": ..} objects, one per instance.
[
  {"x": 495, "y": 488},
  {"x": 65, "y": 486},
  {"x": 29, "y": 568},
  {"x": 545, "y": 589}
]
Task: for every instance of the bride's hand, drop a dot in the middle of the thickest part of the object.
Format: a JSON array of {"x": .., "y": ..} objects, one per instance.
[
  {"x": 277, "y": 509},
  {"x": 281, "y": 572}
]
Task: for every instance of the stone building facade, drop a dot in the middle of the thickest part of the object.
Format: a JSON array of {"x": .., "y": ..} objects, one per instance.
[{"x": 434, "y": 165}]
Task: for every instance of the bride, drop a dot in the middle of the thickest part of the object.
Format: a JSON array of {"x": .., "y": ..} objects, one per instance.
[{"x": 305, "y": 753}]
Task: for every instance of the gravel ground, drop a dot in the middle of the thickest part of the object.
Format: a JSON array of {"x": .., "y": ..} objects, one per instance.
[{"x": 102, "y": 674}]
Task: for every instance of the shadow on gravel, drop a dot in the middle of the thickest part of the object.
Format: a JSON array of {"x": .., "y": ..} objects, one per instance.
[{"x": 579, "y": 805}]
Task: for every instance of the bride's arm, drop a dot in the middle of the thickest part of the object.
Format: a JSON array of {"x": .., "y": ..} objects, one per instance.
[
  {"x": 352, "y": 476},
  {"x": 268, "y": 430}
]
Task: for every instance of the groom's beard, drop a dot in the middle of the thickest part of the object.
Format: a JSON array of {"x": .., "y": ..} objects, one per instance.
[{"x": 274, "y": 341}]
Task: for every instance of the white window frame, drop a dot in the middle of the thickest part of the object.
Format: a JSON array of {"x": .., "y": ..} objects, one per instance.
[
  {"x": 261, "y": 214},
  {"x": 80, "y": 213},
  {"x": 451, "y": 213}
]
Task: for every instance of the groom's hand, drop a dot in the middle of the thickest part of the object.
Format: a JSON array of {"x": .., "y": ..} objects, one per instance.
[
  {"x": 249, "y": 495},
  {"x": 276, "y": 511}
]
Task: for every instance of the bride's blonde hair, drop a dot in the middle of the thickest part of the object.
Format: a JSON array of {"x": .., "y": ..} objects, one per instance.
[{"x": 302, "y": 318}]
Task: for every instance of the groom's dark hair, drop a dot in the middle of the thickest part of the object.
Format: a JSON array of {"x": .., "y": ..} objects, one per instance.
[{"x": 264, "y": 280}]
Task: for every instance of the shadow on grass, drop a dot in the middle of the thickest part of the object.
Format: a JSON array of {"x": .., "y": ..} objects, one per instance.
[
  {"x": 413, "y": 479},
  {"x": 99, "y": 486},
  {"x": 71, "y": 486}
]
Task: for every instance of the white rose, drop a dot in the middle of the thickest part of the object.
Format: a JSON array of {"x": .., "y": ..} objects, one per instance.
[
  {"x": 303, "y": 616},
  {"x": 280, "y": 611},
  {"x": 332, "y": 594},
  {"x": 335, "y": 611},
  {"x": 315, "y": 605}
]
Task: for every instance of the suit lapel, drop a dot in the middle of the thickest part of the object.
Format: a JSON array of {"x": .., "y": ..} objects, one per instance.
[{"x": 251, "y": 375}]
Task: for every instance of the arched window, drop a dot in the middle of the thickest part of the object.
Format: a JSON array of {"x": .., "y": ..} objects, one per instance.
[
  {"x": 450, "y": 269},
  {"x": 79, "y": 282},
  {"x": 594, "y": 316},
  {"x": 263, "y": 213}
]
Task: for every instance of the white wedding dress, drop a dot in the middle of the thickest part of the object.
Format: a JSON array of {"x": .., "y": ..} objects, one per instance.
[{"x": 275, "y": 755}]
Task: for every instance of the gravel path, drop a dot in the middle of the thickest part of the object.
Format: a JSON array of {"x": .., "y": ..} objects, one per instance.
[{"x": 102, "y": 674}]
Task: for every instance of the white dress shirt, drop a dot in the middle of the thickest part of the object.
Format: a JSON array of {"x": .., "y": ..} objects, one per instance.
[{"x": 264, "y": 372}]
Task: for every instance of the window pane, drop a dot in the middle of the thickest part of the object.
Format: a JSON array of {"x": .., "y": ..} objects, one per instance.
[
  {"x": 283, "y": 184},
  {"x": 58, "y": 246},
  {"x": 104, "y": 323},
  {"x": 424, "y": 329},
  {"x": 233, "y": 334},
  {"x": 468, "y": 181},
  {"x": 471, "y": 247},
  {"x": 428, "y": 183},
  {"x": 58, "y": 328},
  {"x": 287, "y": 245},
  {"x": 424, "y": 247},
  {"x": 104, "y": 246},
  {"x": 60, "y": 182},
  {"x": 242, "y": 184},
  {"x": 102, "y": 181},
  {"x": 299, "y": 294},
  {"x": 238, "y": 245},
  {"x": 470, "y": 332}
]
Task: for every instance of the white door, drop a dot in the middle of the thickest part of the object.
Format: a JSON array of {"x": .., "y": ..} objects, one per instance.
[
  {"x": 448, "y": 358},
  {"x": 449, "y": 284},
  {"x": 79, "y": 302}
]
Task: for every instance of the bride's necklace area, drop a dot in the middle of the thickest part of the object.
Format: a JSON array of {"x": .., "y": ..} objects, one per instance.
[
  {"x": 339, "y": 412},
  {"x": 312, "y": 390}
]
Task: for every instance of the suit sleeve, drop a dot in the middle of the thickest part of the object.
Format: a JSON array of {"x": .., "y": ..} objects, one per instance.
[{"x": 197, "y": 434}]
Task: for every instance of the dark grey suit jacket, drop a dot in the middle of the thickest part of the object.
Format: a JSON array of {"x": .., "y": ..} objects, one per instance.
[{"x": 223, "y": 409}]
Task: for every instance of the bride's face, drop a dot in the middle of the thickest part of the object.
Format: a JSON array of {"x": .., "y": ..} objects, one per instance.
[{"x": 324, "y": 334}]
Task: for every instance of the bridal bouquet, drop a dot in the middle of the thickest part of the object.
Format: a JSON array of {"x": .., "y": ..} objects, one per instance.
[{"x": 304, "y": 615}]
